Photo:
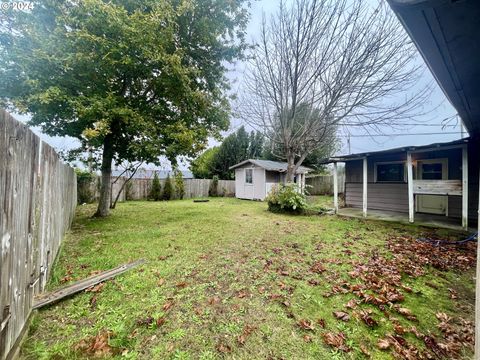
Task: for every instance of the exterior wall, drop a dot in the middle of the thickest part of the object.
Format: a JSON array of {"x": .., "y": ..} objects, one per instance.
[
  {"x": 394, "y": 196},
  {"x": 263, "y": 181},
  {"x": 255, "y": 191},
  {"x": 239, "y": 183},
  {"x": 272, "y": 177},
  {"x": 259, "y": 184}
]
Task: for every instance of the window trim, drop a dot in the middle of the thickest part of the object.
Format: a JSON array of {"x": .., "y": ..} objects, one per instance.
[
  {"x": 245, "y": 179},
  {"x": 443, "y": 161},
  {"x": 389, "y": 163}
]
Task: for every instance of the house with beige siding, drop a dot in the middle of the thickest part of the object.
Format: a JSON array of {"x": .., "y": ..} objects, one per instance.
[{"x": 255, "y": 178}]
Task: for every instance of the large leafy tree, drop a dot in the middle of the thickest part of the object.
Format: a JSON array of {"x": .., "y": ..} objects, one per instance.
[
  {"x": 202, "y": 166},
  {"x": 235, "y": 148},
  {"x": 131, "y": 79}
]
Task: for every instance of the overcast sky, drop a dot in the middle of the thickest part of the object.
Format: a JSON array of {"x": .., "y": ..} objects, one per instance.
[{"x": 430, "y": 131}]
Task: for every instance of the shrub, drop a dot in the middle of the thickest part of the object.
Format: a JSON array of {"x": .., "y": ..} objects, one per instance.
[
  {"x": 179, "y": 185},
  {"x": 156, "y": 190},
  {"x": 213, "y": 189},
  {"x": 84, "y": 186},
  {"x": 286, "y": 198},
  {"x": 167, "y": 189}
]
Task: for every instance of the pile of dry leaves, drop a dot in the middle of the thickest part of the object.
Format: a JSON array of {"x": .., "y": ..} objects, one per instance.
[{"x": 378, "y": 282}]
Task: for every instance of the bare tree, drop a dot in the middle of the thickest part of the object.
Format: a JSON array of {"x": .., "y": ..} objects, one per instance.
[
  {"x": 321, "y": 64},
  {"x": 127, "y": 174}
]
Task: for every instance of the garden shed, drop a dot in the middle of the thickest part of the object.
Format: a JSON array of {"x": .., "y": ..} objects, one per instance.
[{"x": 255, "y": 178}]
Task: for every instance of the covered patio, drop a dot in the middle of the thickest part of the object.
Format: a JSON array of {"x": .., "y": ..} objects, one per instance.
[
  {"x": 429, "y": 220},
  {"x": 433, "y": 185}
]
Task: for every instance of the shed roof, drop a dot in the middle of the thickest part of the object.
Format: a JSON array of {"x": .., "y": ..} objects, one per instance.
[
  {"x": 434, "y": 146},
  {"x": 270, "y": 165}
]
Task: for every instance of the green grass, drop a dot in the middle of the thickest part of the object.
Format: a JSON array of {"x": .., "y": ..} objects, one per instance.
[{"x": 209, "y": 260}]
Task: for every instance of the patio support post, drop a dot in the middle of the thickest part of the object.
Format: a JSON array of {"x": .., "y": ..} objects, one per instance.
[
  {"x": 365, "y": 185},
  {"x": 335, "y": 187},
  {"x": 411, "y": 204},
  {"x": 465, "y": 187}
]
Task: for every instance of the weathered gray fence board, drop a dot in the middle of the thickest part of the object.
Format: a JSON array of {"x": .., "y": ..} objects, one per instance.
[
  {"x": 139, "y": 189},
  {"x": 37, "y": 204},
  {"x": 323, "y": 184}
]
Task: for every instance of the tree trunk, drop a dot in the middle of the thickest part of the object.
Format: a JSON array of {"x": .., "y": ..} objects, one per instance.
[
  {"x": 105, "y": 189},
  {"x": 290, "y": 168},
  {"x": 112, "y": 206}
]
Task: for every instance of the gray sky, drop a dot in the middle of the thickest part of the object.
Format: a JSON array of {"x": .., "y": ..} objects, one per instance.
[
  {"x": 429, "y": 131},
  {"x": 420, "y": 134}
]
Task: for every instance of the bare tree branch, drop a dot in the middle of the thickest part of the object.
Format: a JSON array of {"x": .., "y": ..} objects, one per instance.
[{"x": 322, "y": 64}]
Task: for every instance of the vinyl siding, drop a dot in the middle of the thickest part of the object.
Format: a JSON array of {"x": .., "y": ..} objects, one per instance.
[{"x": 392, "y": 197}]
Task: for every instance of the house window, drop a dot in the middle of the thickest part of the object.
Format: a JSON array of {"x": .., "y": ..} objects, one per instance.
[
  {"x": 390, "y": 172},
  {"x": 249, "y": 176},
  {"x": 432, "y": 171}
]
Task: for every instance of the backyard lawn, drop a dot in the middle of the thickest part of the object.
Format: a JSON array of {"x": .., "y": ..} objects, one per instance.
[{"x": 227, "y": 279}]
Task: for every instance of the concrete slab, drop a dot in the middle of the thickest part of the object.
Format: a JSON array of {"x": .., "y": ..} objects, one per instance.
[{"x": 429, "y": 220}]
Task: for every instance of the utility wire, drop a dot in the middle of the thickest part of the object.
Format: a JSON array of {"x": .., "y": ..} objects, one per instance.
[{"x": 435, "y": 133}]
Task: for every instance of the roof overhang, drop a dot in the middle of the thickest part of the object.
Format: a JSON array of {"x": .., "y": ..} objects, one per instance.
[
  {"x": 271, "y": 166},
  {"x": 447, "y": 34},
  {"x": 423, "y": 148}
]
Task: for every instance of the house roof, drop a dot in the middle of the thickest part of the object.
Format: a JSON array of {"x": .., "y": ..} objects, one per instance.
[
  {"x": 447, "y": 36},
  {"x": 148, "y": 174},
  {"x": 434, "y": 146},
  {"x": 271, "y": 165}
]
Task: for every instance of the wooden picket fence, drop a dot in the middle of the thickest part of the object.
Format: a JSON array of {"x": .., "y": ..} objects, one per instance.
[{"x": 37, "y": 204}]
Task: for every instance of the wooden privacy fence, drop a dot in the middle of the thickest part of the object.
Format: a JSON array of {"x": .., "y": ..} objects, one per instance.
[
  {"x": 139, "y": 189},
  {"x": 323, "y": 184},
  {"x": 37, "y": 204}
]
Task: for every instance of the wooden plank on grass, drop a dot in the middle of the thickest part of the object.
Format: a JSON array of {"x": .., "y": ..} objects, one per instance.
[{"x": 54, "y": 296}]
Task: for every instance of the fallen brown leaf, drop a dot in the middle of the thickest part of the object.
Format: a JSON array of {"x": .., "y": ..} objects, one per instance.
[
  {"x": 321, "y": 322},
  {"x": 307, "y": 338},
  {"x": 181, "y": 285},
  {"x": 214, "y": 300},
  {"x": 167, "y": 306},
  {"x": 341, "y": 315},
  {"x": 97, "y": 346},
  {"x": 305, "y": 324},
  {"x": 383, "y": 344},
  {"x": 364, "y": 350},
  {"x": 367, "y": 319},
  {"x": 352, "y": 304},
  {"x": 317, "y": 268},
  {"x": 223, "y": 348},
  {"x": 95, "y": 289},
  {"x": 145, "y": 321},
  {"x": 335, "y": 340}
]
